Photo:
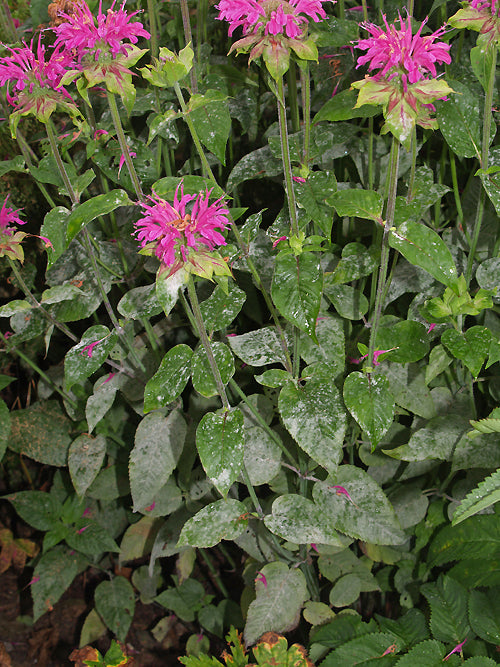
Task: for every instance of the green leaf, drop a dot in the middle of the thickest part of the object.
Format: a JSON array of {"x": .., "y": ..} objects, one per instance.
[
  {"x": 358, "y": 203},
  {"x": 91, "y": 539},
  {"x": 312, "y": 195},
  {"x": 139, "y": 539},
  {"x": 184, "y": 600},
  {"x": 167, "y": 288},
  {"x": 296, "y": 289},
  {"x": 257, "y": 164},
  {"x": 115, "y": 603},
  {"x": 487, "y": 493},
  {"x": 470, "y": 347},
  {"x": 80, "y": 363},
  {"x": 54, "y": 228},
  {"x": 488, "y": 274},
  {"x": 93, "y": 208},
  {"x": 4, "y": 427},
  {"x": 259, "y": 347},
  {"x": 220, "y": 443},
  {"x": 159, "y": 441},
  {"x": 222, "y": 520},
  {"x": 262, "y": 457},
  {"x": 170, "y": 379},
  {"x": 349, "y": 303},
  {"x": 341, "y": 107},
  {"x": 429, "y": 653},
  {"x": 448, "y": 602},
  {"x": 367, "y": 515},
  {"x": 330, "y": 346},
  {"x": 360, "y": 650},
  {"x": 356, "y": 262},
  {"x": 459, "y": 119},
  {"x": 140, "y": 302},
  {"x": 477, "y": 538},
  {"x": 408, "y": 337},
  {"x": 411, "y": 627},
  {"x": 202, "y": 377},
  {"x": 102, "y": 399},
  {"x": 484, "y": 614},
  {"x": 407, "y": 385},
  {"x": 370, "y": 402},
  {"x": 437, "y": 440},
  {"x": 314, "y": 416},
  {"x": 16, "y": 164},
  {"x": 53, "y": 574},
  {"x": 299, "y": 520},
  {"x": 423, "y": 247},
  {"x": 220, "y": 309},
  {"x": 210, "y": 116},
  {"x": 192, "y": 185},
  {"x": 278, "y": 602},
  {"x": 38, "y": 508},
  {"x": 85, "y": 458},
  {"x": 480, "y": 661},
  {"x": 41, "y": 432}
]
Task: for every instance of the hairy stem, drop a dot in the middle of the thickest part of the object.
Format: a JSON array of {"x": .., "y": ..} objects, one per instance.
[
  {"x": 285, "y": 153},
  {"x": 115, "y": 115},
  {"x": 188, "y": 36},
  {"x": 384, "y": 257}
]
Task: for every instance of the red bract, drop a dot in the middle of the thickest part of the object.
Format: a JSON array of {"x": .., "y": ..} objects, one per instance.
[
  {"x": 85, "y": 34},
  {"x": 270, "y": 17},
  {"x": 172, "y": 232},
  {"x": 398, "y": 53}
]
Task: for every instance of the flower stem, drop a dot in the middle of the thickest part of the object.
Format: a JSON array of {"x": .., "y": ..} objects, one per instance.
[
  {"x": 205, "y": 341},
  {"x": 287, "y": 165},
  {"x": 60, "y": 164},
  {"x": 291, "y": 76},
  {"x": 188, "y": 36},
  {"x": 488, "y": 100},
  {"x": 115, "y": 115},
  {"x": 7, "y": 22},
  {"x": 384, "y": 256},
  {"x": 306, "y": 109},
  {"x": 411, "y": 182}
]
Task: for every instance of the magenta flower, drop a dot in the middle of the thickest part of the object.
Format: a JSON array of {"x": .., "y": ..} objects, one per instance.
[
  {"x": 398, "y": 53},
  {"x": 270, "y": 17},
  {"x": 89, "y": 349},
  {"x": 88, "y": 35},
  {"x": 404, "y": 80},
  {"x": 261, "y": 577},
  {"x": 10, "y": 237},
  {"x": 457, "y": 649},
  {"x": 34, "y": 82},
  {"x": 184, "y": 231}
]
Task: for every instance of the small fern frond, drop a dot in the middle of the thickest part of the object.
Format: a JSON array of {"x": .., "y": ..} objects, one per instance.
[{"x": 485, "y": 494}]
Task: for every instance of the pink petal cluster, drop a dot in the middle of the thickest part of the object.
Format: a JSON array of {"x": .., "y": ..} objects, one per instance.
[
  {"x": 80, "y": 32},
  {"x": 270, "y": 17},
  {"x": 23, "y": 70},
  {"x": 8, "y": 217},
  {"x": 397, "y": 52},
  {"x": 492, "y": 5},
  {"x": 170, "y": 228}
]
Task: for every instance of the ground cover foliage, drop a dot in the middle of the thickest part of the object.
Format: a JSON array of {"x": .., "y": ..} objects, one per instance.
[{"x": 250, "y": 323}]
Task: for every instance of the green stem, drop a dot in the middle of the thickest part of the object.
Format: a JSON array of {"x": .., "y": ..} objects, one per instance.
[
  {"x": 8, "y": 25},
  {"x": 365, "y": 10},
  {"x": 27, "y": 157},
  {"x": 384, "y": 256},
  {"x": 205, "y": 341},
  {"x": 285, "y": 153},
  {"x": 258, "y": 417},
  {"x": 488, "y": 100},
  {"x": 371, "y": 137},
  {"x": 456, "y": 192},
  {"x": 306, "y": 109},
  {"x": 38, "y": 370},
  {"x": 194, "y": 134},
  {"x": 341, "y": 7},
  {"x": 208, "y": 561},
  {"x": 291, "y": 77},
  {"x": 188, "y": 36},
  {"x": 60, "y": 164},
  {"x": 115, "y": 115},
  {"x": 31, "y": 297},
  {"x": 251, "y": 491},
  {"x": 411, "y": 182}
]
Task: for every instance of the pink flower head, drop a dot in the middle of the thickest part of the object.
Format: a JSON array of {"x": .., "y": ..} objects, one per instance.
[
  {"x": 33, "y": 81},
  {"x": 397, "y": 52},
  {"x": 79, "y": 31},
  {"x": 122, "y": 161},
  {"x": 172, "y": 229},
  {"x": 270, "y": 17},
  {"x": 10, "y": 237}
]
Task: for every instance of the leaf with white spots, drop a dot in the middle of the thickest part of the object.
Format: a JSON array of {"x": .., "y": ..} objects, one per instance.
[
  {"x": 370, "y": 402},
  {"x": 222, "y": 520}
]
